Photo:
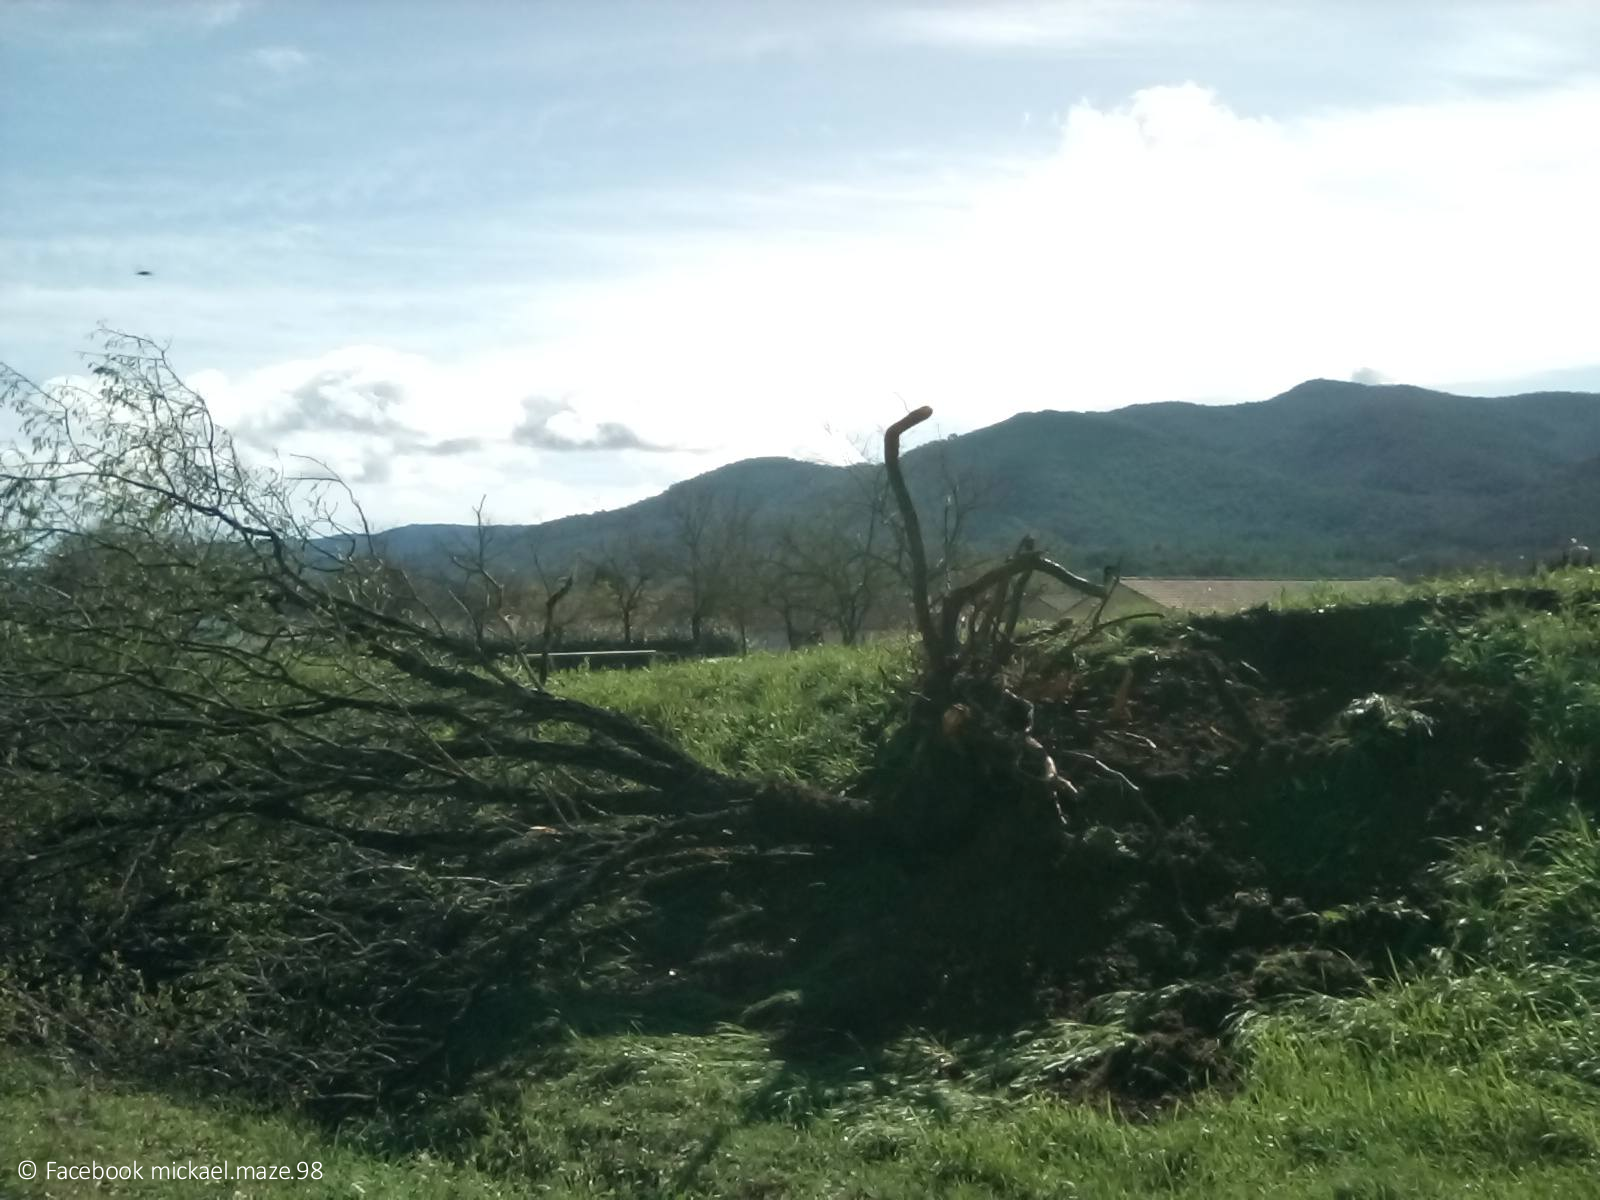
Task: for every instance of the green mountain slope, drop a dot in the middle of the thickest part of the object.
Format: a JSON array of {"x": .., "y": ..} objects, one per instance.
[{"x": 1327, "y": 478}]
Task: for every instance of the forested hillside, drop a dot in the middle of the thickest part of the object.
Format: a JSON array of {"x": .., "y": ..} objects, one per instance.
[{"x": 1328, "y": 478}]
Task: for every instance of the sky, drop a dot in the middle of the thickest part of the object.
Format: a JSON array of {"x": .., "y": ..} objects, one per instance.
[{"x": 557, "y": 256}]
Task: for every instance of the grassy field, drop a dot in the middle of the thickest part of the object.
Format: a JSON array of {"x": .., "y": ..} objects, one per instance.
[
  {"x": 812, "y": 715},
  {"x": 1473, "y": 1071}
]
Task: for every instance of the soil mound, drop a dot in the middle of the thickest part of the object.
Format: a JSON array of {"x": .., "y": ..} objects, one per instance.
[{"x": 1261, "y": 804}]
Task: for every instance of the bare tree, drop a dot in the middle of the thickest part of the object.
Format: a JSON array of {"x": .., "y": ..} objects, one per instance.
[
  {"x": 626, "y": 568},
  {"x": 742, "y": 596},
  {"x": 709, "y": 550},
  {"x": 840, "y": 558},
  {"x": 965, "y": 491},
  {"x": 785, "y": 587}
]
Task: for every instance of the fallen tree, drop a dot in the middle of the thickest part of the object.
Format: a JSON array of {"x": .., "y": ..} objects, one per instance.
[
  {"x": 212, "y": 706},
  {"x": 251, "y": 777}
]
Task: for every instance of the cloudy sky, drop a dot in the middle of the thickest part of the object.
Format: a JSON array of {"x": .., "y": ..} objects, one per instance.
[{"x": 564, "y": 254}]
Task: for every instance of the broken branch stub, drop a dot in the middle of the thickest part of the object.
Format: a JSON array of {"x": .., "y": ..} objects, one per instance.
[
  {"x": 913, "y": 530},
  {"x": 940, "y": 637}
]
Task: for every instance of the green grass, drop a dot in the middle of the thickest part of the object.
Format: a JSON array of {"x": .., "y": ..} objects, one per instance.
[
  {"x": 715, "y": 1117},
  {"x": 50, "y": 1113},
  {"x": 810, "y": 715},
  {"x": 719, "y": 1116},
  {"x": 1476, "y": 1075},
  {"x": 1568, "y": 583}
]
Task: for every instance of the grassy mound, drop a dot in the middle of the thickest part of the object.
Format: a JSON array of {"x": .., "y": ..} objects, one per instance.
[{"x": 1263, "y": 807}]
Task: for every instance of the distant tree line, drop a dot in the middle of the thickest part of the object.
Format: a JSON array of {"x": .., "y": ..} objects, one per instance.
[{"x": 723, "y": 573}]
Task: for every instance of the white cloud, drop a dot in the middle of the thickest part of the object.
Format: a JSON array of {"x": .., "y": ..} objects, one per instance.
[
  {"x": 1475, "y": 43},
  {"x": 353, "y": 390},
  {"x": 1008, "y": 24},
  {"x": 107, "y": 26},
  {"x": 425, "y": 441},
  {"x": 281, "y": 60},
  {"x": 214, "y": 14},
  {"x": 1166, "y": 247},
  {"x": 1548, "y": 41}
]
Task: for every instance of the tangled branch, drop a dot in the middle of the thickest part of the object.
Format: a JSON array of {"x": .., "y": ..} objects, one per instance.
[{"x": 215, "y": 701}]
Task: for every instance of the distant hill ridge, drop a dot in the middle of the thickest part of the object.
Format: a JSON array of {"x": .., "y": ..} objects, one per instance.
[{"x": 1329, "y": 478}]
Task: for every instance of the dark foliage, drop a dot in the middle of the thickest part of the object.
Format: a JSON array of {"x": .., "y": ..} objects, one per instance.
[{"x": 248, "y": 787}]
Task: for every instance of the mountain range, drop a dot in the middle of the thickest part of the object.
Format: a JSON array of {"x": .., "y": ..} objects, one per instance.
[{"x": 1327, "y": 479}]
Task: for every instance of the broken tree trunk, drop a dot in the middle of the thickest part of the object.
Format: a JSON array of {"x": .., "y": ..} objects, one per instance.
[{"x": 966, "y": 749}]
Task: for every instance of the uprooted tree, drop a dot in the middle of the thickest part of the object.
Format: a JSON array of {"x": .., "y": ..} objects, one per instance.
[
  {"x": 968, "y": 738},
  {"x": 247, "y": 770}
]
